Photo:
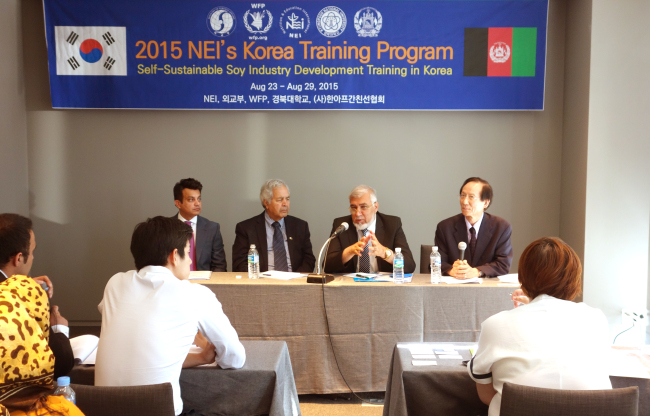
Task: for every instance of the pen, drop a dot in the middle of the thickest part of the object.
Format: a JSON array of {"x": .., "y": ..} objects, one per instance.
[{"x": 363, "y": 277}]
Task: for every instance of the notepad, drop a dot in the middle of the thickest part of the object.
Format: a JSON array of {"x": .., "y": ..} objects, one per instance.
[
  {"x": 84, "y": 348},
  {"x": 200, "y": 275},
  {"x": 275, "y": 274}
]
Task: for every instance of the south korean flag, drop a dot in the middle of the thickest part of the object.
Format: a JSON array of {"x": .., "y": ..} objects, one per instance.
[{"x": 90, "y": 50}]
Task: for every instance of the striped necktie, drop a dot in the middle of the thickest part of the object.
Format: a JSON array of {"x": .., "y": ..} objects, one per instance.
[
  {"x": 279, "y": 252},
  {"x": 364, "y": 259}
]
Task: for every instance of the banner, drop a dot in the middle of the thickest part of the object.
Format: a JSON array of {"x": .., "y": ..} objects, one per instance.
[{"x": 280, "y": 55}]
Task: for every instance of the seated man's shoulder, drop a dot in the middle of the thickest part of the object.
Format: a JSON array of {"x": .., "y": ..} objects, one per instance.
[
  {"x": 296, "y": 220},
  {"x": 203, "y": 221},
  {"x": 252, "y": 221},
  {"x": 390, "y": 219},
  {"x": 451, "y": 220},
  {"x": 497, "y": 220}
]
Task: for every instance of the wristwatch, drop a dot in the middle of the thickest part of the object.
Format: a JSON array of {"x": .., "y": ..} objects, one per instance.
[{"x": 388, "y": 254}]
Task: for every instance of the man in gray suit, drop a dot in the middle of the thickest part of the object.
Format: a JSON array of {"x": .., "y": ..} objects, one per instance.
[{"x": 207, "y": 247}]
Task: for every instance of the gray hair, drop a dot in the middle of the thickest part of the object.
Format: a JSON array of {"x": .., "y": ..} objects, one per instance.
[
  {"x": 360, "y": 190},
  {"x": 266, "y": 193}
]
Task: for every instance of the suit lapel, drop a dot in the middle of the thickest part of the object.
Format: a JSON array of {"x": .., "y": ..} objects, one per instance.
[
  {"x": 262, "y": 248},
  {"x": 201, "y": 238},
  {"x": 461, "y": 235},
  {"x": 483, "y": 238},
  {"x": 380, "y": 232},
  {"x": 291, "y": 233},
  {"x": 350, "y": 237}
]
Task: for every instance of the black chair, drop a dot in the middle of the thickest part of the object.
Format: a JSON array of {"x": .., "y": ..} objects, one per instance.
[
  {"x": 425, "y": 256},
  {"x": 519, "y": 400},
  {"x": 152, "y": 400}
]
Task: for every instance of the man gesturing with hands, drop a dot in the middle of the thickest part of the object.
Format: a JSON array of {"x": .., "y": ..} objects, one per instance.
[{"x": 369, "y": 246}]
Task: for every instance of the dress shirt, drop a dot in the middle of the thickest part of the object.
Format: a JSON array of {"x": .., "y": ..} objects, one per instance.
[
  {"x": 549, "y": 343},
  {"x": 268, "y": 223},
  {"x": 373, "y": 259},
  {"x": 476, "y": 228},
  {"x": 149, "y": 321},
  {"x": 193, "y": 221}
]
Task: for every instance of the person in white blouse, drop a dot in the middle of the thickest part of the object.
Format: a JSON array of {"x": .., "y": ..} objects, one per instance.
[
  {"x": 152, "y": 315},
  {"x": 549, "y": 341}
]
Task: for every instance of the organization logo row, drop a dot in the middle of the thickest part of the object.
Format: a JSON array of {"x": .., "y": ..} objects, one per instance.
[{"x": 294, "y": 21}]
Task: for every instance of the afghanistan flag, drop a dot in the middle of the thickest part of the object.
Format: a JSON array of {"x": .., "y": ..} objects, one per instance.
[{"x": 500, "y": 51}]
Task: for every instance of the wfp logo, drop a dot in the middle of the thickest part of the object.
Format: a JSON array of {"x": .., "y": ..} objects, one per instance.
[
  {"x": 259, "y": 21},
  {"x": 90, "y": 50}
]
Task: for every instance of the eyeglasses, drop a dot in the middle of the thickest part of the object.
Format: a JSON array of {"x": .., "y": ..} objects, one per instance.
[
  {"x": 472, "y": 198},
  {"x": 363, "y": 208}
]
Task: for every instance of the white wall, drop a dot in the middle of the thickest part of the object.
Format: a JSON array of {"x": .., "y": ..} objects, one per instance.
[
  {"x": 14, "y": 195},
  {"x": 618, "y": 173},
  {"x": 95, "y": 174}
]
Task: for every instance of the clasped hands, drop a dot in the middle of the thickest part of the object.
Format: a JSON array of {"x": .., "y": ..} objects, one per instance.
[{"x": 462, "y": 270}]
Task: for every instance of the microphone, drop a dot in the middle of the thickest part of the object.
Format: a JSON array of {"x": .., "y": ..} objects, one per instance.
[
  {"x": 343, "y": 227},
  {"x": 462, "y": 246}
]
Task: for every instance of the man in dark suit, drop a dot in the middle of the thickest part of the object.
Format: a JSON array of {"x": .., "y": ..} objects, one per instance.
[
  {"x": 282, "y": 241},
  {"x": 367, "y": 246},
  {"x": 17, "y": 244},
  {"x": 489, "y": 251},
  {"x": 206, "y": 250}
]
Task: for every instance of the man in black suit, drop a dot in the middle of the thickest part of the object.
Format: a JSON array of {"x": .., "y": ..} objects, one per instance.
[
  {"x": 489, "y": 251},
  {"x": 350, "y": 251},
  {"x": 17, "y": 245},
  {"x": 207, "y": 247},
  {"x": 282, "y": 241}
]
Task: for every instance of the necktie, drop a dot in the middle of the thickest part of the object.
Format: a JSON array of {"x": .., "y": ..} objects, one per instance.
[
  {"x": 472, "y": 243},
  {"x": 279, "y": 252},
  {"x": 192, "y": 256},
  {"x": 364, "y": 259}
]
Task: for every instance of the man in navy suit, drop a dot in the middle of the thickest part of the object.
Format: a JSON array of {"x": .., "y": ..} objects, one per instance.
[
  {"x": 368, "y": 245},
  {"x": 489, "y": 251},
  {"x": 282, "y": 241},
  {"x": 207, "y": 248}
]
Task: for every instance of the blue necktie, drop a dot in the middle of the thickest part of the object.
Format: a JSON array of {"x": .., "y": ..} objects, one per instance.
[
  {"x": 364, "y": 259},
  {"x": 279, "y": 252}
]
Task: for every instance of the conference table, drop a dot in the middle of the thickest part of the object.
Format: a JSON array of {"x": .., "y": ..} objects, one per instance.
[
  {"x": 263, "y": 386},
  {"x": 365, "y": 321},
  {"x": 446, "y": 389}
]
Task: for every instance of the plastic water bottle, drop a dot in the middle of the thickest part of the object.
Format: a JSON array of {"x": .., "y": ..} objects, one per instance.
[
  {"x": 436, "y": 275},
  {"x": 398, "y": 266},
  {"x": 253, "y": 263},
  {"x": 63, "y": 389}
]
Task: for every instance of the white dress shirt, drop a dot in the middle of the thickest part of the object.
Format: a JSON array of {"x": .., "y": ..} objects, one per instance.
[
  {"x": 149, "y": 321},
  {"x": 476, "y": 226},
  {"x": 373, "y": 259},
  {"x": 549, "y": 343},
  {"x": 193, "y": 225}
]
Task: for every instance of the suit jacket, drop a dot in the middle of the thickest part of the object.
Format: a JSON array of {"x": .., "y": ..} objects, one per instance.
[
  {"x": 253, "y": 231},
  {"x": 388, "y": 230},
  {"x": 493, "y": 249},
  {"x": 208, "y": 247}
]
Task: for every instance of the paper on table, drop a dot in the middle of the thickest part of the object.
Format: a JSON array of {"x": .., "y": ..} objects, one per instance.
[
  {"x": 416, "y": 349},
  {"x": 200, "y": 275},
  {"x": 423, "y": 356},
  {"x": 509, "y": 278},
  {"x": 452, "y": 281},
  {"x": 450, "y": 357},
  {"x": 275, "y": 274},
  {"x": 84, "y": 348},
  {"x": 424, "y": 362}
]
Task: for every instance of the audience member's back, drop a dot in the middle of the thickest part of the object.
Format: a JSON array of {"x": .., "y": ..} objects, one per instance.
[{"x": 150, "y": 317}]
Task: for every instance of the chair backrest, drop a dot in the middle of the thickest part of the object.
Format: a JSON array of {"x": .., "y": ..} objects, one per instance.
[
  {"x": 152, "y": 400},
  {"x": 425, "y": 256},
  {"x": 519, "y": 400}
]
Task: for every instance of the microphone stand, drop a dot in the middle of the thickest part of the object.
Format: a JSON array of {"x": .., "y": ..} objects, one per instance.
[{"x": 319, "y": 276}]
